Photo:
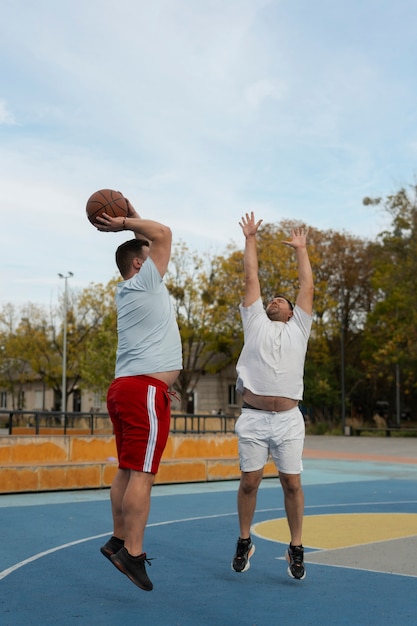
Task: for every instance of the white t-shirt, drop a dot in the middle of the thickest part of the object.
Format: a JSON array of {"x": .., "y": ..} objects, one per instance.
[
  {"x": 148, "y": 336},
  {"x": 272, "y": 359}
]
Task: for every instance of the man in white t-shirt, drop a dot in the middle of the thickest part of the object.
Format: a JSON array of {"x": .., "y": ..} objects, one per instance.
[
  {"x": 148, "y": 361},
  {"x": 270, "y": 373}
]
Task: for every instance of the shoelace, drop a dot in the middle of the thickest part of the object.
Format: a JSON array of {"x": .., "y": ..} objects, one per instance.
[
  {"x": 296, "y": 556},
  {"x": 148, "y": 559},
  {"x": 242, "y": 548}
]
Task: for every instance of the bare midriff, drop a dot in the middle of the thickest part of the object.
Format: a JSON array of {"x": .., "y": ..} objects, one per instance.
[
  {"x": 168, "y": 378},
  {"x": 269, "y": 403}
]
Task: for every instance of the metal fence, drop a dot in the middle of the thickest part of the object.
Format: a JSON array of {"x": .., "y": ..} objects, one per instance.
[{"x": 69, "y": 423}]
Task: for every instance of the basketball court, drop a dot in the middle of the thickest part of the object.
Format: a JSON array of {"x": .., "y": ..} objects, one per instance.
[{"x": 360, "y": 538}]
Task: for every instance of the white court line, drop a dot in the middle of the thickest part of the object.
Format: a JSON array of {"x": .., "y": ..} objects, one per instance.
[
  {"x": 40, "y": 555},
  {"x": 35, "y": 557},
  {"x": 355, "y": 569}
]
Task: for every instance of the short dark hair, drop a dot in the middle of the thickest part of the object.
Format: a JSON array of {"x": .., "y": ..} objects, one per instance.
[
  {"x": 284, "y": 298},
  {"x": 126, "y": 252}
]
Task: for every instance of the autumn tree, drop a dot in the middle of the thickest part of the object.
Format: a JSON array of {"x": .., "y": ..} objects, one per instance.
[
  {"x": 32, "y": 343},
  {"x": 364, "y": 329},
  {"x": 390, "y": 351},
  {"x": 97, "y": 309},
  {"x": 202, "y": 293},
  {"x": 343, "y": 267},
  {"x": 14, "y": 366},
  {"x": 207, "y": 293}
]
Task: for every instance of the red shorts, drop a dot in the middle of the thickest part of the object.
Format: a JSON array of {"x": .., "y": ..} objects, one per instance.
[{"x": 140, "y": 410}]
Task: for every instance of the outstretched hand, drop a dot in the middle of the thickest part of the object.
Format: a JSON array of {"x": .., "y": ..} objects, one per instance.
[
  {"x": 298, "y": 238},
  {"x": 248, "y": 225}
]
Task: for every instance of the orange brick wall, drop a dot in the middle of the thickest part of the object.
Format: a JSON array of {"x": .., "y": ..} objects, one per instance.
[{"x": 45, "y": 463}]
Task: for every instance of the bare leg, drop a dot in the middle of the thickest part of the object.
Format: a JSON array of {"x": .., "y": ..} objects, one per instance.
[
  {"x": 117, "y": 493},
  {"x": 136, "y": 505},
  {"x": 246, "y": 500},
  {"x": 294, "y": 505}
]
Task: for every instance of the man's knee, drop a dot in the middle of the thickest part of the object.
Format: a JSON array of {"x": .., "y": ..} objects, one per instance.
[
  {"x": 291, "y": 484},
  {"x": 250, "y": 481}
]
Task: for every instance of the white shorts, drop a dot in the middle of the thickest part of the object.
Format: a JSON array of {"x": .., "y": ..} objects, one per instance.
[{"x": 281, "y": 435}]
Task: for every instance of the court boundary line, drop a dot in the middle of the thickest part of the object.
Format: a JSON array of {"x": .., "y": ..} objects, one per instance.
[
  {"x": 355, "y": 569},
  {"x": 35, "y": 557}
]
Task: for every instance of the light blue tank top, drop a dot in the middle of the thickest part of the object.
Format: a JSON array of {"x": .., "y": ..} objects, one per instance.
[{"x": 148, "y": 336}]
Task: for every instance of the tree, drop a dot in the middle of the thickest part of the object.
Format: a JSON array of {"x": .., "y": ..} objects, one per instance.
[
  {"x": 343, "y": 267},
  {"x": 364, "y": 332},
  {"x": 207, "y": 297},
  {"x": 97, "y": 309},
  {"x": 22, "y": 347},
  {"x": 390, "y": 350},
  {"x": 32, "y": 343},
  {"x": 201, "y": 294}
]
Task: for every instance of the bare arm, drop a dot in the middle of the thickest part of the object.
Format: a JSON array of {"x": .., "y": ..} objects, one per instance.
[
  {"x": 159, "y": 236},
  {"x": 305, "y": 275},
  {"x": 131, "y": 212},
  {"x": 252, "y": 286}
]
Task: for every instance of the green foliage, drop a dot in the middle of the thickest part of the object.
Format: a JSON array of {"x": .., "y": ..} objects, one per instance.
[
  {"x": 365, "y": 302},
  {"x": 97, "y": 359},
  {"x": 31, "y": 343},
  {"x": 391, "y": 330},
  {"x": 205, "y": 292}
]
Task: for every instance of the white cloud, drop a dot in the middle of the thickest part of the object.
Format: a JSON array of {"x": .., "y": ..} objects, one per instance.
[
  {"x": 198, "y": 111},
  {"x": 256, "y": 93},
  {"x": 6, "y": 116}
]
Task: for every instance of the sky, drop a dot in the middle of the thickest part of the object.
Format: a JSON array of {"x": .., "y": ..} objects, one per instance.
[{"x": 198, "y": 111}]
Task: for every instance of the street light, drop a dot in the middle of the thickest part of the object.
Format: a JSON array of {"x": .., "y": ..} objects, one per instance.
[
  {"x": 64, "y": 344},
  {"x": 342, "y": 360}
]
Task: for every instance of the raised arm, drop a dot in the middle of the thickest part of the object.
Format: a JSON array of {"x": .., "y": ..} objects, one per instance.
[
  {"x": 305, "y": 275},
  {"x": 159, "y": 236},
  {"x": 131, "y": 212},
  {"x": 250, "y": 259}
]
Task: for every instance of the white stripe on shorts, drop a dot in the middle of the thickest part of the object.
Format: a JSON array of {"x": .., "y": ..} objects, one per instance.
[{"x": 153, "y": 429}]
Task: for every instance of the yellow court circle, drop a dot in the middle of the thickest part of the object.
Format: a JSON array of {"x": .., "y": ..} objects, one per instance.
[{"x": 342, "y": 530}]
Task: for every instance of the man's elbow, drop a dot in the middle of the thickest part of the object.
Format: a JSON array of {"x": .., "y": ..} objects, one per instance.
[{"x": 164, "y": 233}]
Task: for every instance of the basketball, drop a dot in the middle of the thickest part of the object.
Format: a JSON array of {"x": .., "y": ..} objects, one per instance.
[{"x": 106, "y": 201}]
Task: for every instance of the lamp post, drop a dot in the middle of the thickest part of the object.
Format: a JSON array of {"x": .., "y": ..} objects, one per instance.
[
  {"x": 64, "y": 344},
  {"x": 342, "y": 360},
  {"x": 342, "y": 377}
]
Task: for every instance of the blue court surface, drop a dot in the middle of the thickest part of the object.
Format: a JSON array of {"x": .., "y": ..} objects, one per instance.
[{"x": 360, "y": 550}]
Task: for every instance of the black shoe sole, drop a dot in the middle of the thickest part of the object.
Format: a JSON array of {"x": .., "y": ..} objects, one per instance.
[
  {"x": 107, "y": 553},
  {"x": 122, "y": 568}
]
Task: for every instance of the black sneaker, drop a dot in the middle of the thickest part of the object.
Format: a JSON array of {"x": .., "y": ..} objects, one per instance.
[
  {"x": 133, "y": 567},
  {"x": 112, "y": 546},
  {"x": 244, "y": 550},
  {"x": 295, "y": 558}
]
